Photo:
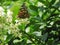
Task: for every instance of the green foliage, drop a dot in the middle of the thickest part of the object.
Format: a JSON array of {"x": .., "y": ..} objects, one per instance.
[{"x": 41, "y": 28}]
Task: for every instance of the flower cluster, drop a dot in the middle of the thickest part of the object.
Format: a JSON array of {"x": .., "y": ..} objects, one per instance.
[
  {"x": 8, "y": 27},
  {"x": 1, "y": 11}
]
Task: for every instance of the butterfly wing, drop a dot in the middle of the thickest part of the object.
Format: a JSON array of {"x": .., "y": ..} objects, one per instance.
[{"x": 23, "y": 13}]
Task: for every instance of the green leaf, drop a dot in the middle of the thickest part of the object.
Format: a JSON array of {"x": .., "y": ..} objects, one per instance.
[
  {"x": 32, "y": 7},
  {"x": 52, "y": 2},
  {"x": 33, "y": 10},
  {"x": 44, "y": 37},
  {"x": 15, "y": 9},
  {"x": 9, "y": 37}
]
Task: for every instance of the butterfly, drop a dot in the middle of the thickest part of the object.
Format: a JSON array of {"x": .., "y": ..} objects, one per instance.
[{"x": 23, "y": 13}]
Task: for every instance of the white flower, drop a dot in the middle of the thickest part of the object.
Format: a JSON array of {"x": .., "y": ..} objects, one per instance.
[
  {"x": 16, "y": 21},
  {"x": 1, "y": 9},
  {"x": 9, "y": 19},
  {"x": 40, "y": 4},
  {"x": 25, "y": 21},
  {"x": 9, "y": 15},
  {"x": 2, "y": 13},
  {"x": 5, "y": 36}
]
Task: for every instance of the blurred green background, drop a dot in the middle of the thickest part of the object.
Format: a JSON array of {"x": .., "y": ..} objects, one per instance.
[{"x": 41, "y": 28}]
